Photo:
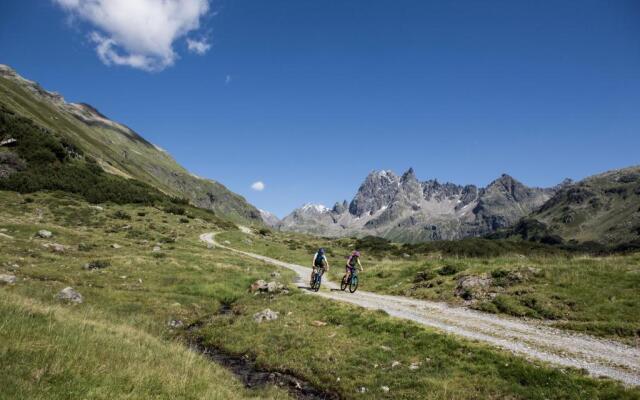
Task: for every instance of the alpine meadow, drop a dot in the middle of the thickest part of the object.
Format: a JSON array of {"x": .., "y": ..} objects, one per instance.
[{"x": 478, "y": 162}]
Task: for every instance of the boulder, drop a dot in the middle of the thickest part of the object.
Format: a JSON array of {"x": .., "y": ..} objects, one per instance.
[
  {"x": 265, "y": 315},
  {"x": 473, "y": 287},
  {"x": 7, "y": 279},
  {"x": 44, "y": 234},
  {"x": 68, "y": 294}
]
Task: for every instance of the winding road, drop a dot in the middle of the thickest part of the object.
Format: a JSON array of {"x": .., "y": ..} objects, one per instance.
[{"x": 531, "y": 339}]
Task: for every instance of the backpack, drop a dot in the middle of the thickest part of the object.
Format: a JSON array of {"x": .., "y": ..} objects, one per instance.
[{"x": 319, "y": 260}]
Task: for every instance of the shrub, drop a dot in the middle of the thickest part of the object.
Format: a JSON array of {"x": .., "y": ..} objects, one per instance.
[
  {"x": 97, "y": 264},
  {"x": 264, "y": 232},
  {"x": 184, "y": 220},
  {"x": 450, "y": 269},
  {"x": 141, "y": 213},
  {"x": 176, "y": 210},
  {"x": 424, "y": 276},
  {"x": 121, "y": 215}
]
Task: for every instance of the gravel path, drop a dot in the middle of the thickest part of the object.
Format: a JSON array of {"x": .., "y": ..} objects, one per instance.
[{"x": 533, "y": 340}]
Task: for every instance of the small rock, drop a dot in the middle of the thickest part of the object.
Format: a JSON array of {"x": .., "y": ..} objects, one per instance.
[
  {"x": 265, "y": 315},
  {"x": 258, "y": 286},
  {"x": 384, "y": 389},
  {"x": 227, "y": 242},
  {"x": 275, "y": 274},
  {"x": 99, "y": 208},
  {"x": 395, "y": 364},
  {"x": 55, "y": 247},
  {"x": 7, "y": 279},
  {"x": 318, "y": 323},
  {"x": 44, "y": 234},
  {"x": 385, "y": 348},
  {"x": 116, "y": 246},
  {"x": 405, "y": 255},
  {"x": 156, "y": 249},
  {"x": 273, "y": 287},
  {"x": 175, "y": 323},
  {"x": 70, "y": 295},
  {"x": 362, "y": 389},
  {"x": 414, "y": 366}
]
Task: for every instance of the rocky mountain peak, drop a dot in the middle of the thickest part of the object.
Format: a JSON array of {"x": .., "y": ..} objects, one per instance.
[{"x": 377, "y": 190}]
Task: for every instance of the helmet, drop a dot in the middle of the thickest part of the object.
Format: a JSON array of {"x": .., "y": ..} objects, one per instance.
[
  {"x": 356, "y": 253},
  {"x": 320, "y": 250}
]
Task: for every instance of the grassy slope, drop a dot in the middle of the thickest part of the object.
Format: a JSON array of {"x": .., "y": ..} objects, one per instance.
[
  {"x": 123, "y": 321},
  {"x": 597, "y": 295},
  {"x": 123, "y": 152},
  {"x": 603, "y": 208}
]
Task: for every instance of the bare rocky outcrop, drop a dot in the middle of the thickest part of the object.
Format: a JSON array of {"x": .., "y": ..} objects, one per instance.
[{"x": 474, "y": 287}]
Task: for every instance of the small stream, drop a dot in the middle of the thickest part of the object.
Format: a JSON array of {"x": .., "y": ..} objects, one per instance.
[{"x": 246, "y": 370}]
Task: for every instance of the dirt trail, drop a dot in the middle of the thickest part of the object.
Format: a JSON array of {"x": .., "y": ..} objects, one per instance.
[{"x": 599, "y": 357}]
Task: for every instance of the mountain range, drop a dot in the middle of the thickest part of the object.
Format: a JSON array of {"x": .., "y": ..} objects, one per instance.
[
  {"x": 117, "y": 148},
  {"x": 400, "y": 207},
  {"x": 604, "y": 208}
]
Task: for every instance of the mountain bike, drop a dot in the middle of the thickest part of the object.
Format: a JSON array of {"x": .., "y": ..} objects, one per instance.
[
  {"x": 316, "y": 279},
  {"x": 351, "y": 283}
]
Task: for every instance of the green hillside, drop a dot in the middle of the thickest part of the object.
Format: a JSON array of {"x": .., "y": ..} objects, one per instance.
[
  {"x": 604, "y": 209},
  {"x": 117, "y": 149}
]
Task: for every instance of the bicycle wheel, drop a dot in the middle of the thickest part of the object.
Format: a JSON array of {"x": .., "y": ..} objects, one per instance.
[
  {"x": 344, "y": 283},
  {"x": 353, "y": 285},
  {"x": 316, "y": 284}
]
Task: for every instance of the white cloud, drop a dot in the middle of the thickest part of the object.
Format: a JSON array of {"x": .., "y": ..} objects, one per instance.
[
  {"x": 140, "y": 33},
  {"x": 198, "y": 46},
  {"x": 227, "y": 79},
  {"x": 258, "y": 186}
]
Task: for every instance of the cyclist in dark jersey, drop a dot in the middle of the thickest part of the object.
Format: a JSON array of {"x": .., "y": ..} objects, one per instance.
[{"x": 319, "y": 261}]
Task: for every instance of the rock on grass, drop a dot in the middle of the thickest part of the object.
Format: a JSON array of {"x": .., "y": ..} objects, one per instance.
[
  {"x": 69, "y": 295},
  {"x": 7, "y": 279},
  {"x": 265, "y": 315}
]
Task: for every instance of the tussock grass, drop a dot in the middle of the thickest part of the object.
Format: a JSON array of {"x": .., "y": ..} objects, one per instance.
[{"x": 54, "y": 352}]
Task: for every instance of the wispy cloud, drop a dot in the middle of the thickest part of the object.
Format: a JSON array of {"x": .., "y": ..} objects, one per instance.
[
  {"x": 140, "y": 33},
  {"x": 198, "y": 46},
  {"x": 258, "y": 186},
  {"x": 227, "y": 79}
]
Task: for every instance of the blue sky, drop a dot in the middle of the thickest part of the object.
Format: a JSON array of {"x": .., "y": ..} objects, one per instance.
[{"x": 310, "y": 96}]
